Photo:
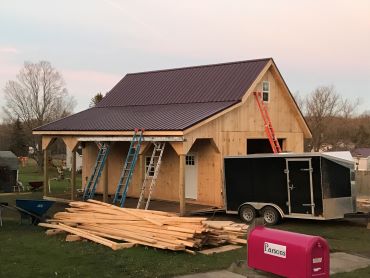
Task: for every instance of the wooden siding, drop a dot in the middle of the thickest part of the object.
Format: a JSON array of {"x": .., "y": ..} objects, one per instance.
[{"x": 222, "y": 136}]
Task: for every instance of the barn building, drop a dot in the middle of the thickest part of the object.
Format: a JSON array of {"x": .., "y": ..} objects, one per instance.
[{"x": 203, "y": 113}]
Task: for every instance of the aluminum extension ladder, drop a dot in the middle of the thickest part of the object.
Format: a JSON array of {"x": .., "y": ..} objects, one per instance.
[
  {"x": 274, "y": 142},
  {"x": 128, "y": 168},
  {"x": 154, "y": 164},
  {"x": 92, "y": 183}
]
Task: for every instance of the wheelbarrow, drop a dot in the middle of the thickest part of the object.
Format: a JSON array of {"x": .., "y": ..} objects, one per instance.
[
  {"x": 35, "y": 210},
  {"x": 35, "y": 185}
]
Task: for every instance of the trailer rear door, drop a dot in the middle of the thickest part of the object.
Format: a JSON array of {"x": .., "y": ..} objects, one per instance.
[{"x": 299, "y": 182}]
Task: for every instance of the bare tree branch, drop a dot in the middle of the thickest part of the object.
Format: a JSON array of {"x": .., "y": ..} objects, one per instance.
[{"x": 36, "y": 97}]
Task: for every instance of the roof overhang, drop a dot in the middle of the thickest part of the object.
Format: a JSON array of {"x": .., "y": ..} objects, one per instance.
[
  {"x": 81, "y": 133},
  {"x": 129, "y": 138}
]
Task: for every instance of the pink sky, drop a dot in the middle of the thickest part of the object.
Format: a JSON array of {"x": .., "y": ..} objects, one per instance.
[{"x": 94, "y": 43}]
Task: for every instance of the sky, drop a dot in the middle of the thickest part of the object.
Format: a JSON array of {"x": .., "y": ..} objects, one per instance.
[{"x": 94, "y": 43}]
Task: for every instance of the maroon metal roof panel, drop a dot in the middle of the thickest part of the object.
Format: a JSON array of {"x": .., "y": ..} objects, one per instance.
[
  {"x": 209, "y": 83},
  {"x": 149, "y": 117}
]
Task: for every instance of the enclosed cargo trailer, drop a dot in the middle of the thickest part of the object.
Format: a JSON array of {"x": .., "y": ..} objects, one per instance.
[
  {"x": 8, "y": 171},
  {"x": 290, "y": 185}
]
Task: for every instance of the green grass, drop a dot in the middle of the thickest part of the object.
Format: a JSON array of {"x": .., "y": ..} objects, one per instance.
[
  {"x": 26, "y": 251},
  {"x": 31, "y": 172}
]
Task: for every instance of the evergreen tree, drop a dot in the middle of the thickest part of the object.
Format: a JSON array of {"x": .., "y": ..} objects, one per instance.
[
  {"x": 96, "y": 99},
  {"x": 18, "y": 141}
]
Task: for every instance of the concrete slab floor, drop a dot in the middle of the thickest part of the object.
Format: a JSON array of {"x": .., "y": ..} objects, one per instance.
[
  {"x": 343, "y": 262},
  {"x": 213, "y": 274},
  {"x": 339, "y": 262}
]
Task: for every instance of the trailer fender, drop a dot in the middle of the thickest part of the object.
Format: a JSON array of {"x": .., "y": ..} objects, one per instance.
[{"x": 260, "y": 206}]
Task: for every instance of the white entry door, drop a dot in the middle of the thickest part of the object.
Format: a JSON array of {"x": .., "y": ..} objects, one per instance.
[{"x": 191, "y": 165}]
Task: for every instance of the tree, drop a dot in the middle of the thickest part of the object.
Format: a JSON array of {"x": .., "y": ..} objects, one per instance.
[
  {"x": 36, "y": 97},
  {"x": 326, "y": 113},
  {"x": 96, "y": 99},
  {"x": 18, "y": 143}
]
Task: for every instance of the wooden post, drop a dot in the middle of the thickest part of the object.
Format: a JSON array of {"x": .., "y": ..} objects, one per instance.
[
  {"x": 105, "y": 181},
  {"x": 182, "y": 183},
  {"x": 73, "y": 175},
  {"x": 46, "y": 174}
]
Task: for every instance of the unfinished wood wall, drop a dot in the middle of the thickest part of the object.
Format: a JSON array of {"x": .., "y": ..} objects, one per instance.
[
  {"x": 209, "y": 172},
  {"x": 231, "y": 130}
]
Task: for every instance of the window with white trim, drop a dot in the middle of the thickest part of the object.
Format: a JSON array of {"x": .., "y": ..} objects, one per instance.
[
  {"x": 190, "y": 160},
  {"x": 266, "y": 91}
]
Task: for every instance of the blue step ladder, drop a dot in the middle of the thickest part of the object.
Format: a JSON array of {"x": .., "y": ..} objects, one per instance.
[
  {"x": 128, "y": 168},
  {"x": 93, "y": 181}
]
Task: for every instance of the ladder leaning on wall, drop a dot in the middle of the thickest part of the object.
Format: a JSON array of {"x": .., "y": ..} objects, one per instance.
[
  {"x": 270, "y": 132},
  {"x": 128, "y": 168},
  {"x": 151, "y": 174},
  {"x": 92, "y": 183}
]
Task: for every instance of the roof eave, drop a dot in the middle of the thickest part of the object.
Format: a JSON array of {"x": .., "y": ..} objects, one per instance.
[{"x": 105, "y": 133}]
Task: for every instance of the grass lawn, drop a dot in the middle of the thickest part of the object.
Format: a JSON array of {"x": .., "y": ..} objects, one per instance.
[
  {"x": 31, "y": 172},
  {"x": 26, "y": 251}
]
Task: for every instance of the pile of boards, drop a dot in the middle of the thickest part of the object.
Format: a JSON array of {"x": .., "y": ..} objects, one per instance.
[
  {"x": 363, "y": 203},
  {"x": 119, "y": 228}
]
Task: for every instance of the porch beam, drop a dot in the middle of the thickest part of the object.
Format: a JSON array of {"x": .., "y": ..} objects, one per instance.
[{"x": 127, "y": 139}]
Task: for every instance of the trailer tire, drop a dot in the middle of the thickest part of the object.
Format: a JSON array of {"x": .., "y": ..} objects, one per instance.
[
  {"x": 247, "y": 213},
  {"x": 270, "y": 215}
]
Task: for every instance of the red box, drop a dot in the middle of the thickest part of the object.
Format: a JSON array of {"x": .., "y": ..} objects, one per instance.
[{"x": 288, "y": 254}]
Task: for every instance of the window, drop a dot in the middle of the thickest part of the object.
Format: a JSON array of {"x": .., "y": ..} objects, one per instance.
[
  {"x": 265, "y": 90},
  {"x": 190, "y": 160},
  {"x": 147, "y": 162}
]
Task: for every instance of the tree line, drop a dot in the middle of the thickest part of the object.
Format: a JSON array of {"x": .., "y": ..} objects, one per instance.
[
  {"x": 334, "y": 121},
  {"x": 38, "y": 95}
]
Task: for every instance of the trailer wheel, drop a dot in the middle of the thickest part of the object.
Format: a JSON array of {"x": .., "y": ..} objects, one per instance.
[
  {"x": 270, "y": 215},
  {"x": 247, "y": 213}
]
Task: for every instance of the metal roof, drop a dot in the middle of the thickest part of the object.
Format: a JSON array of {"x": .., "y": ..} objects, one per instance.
[
  {"x": 342, "y": 157},
  {"x": 172, "y": 99},
  {"x": 210, "y": 83},
  {"x": 9, "y": 159},
  {"x": 149, "y": 117}
]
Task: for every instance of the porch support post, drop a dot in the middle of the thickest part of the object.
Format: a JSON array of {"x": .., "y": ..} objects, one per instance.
[
  {"x": 182, "y": 184},
  {"x": 46, "y": 174},
  {"x": 105, "y": 181},
  {"x": 73, "y": 175},
  {"x": 46, "y": 141},
  {"x": 72, "y": 144}
]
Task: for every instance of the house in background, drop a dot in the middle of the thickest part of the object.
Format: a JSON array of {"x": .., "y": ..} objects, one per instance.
[
  {"x": 69, "y": 158},
  {"x": 361, "y": 157},
  {"x": 203, "y": 113}
]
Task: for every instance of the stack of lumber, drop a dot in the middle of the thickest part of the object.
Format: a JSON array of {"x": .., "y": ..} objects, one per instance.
[
  {"x": 119, "y": 228},
  {"x": 362, "y": 202}
]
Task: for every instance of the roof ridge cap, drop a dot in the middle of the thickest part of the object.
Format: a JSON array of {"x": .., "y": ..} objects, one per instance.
[
  {"x": 136, "y": 105},
  {"x": 201, "y": 66}
]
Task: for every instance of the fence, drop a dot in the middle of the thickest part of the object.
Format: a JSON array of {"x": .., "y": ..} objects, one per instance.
[{"x": 363, "y": 183}]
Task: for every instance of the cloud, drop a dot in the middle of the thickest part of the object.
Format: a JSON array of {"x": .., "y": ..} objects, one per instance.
[
  {"x": 91, "y": 76},
  {"x": 8, "y": 50}
]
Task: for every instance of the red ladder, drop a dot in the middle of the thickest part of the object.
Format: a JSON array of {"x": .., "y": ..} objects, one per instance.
[{"x": 268, "y": 126}]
